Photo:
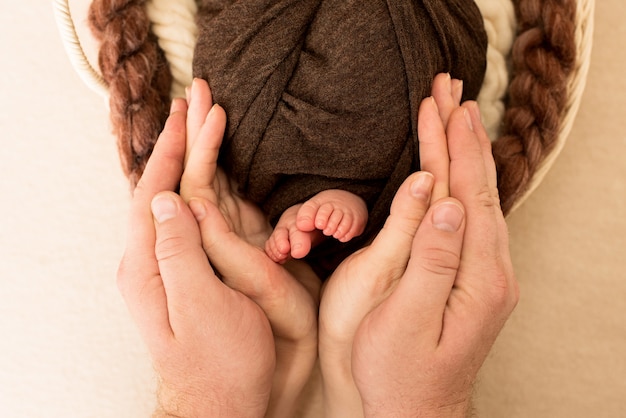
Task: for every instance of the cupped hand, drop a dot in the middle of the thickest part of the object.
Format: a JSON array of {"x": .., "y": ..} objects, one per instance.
[
  {"x": 358, "y": 285},
  {"x": 233, "y": 234},
  {"x": 203, "y": 178},
  {"x": 212, "y": 347},
  {"x": 406, "y": 323},
  {"x": 424, "y": 345}
]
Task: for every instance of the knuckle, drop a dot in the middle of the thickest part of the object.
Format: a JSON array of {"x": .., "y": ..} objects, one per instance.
[
  {"x": 440, "y": 261},
  {"x": 495, "y": 192},
  {"x": 485, "y": 197},
  {"x": 504, "y": 293},
  {"x": 170, "y": 247}
]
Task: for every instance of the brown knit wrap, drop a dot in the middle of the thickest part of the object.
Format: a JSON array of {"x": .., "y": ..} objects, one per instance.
[
  {"x": 323, "y": 94},
  {"x": 543, "y": 57},
  {"x": 138, "y": 76}
]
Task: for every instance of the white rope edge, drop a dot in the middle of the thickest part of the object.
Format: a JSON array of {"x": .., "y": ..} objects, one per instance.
[
  {"x": 576, "y": 86},
  {"x": 500, "y": 25},
  {"x": 174, "y": 24},
  {"x": 74, "y": 49}
]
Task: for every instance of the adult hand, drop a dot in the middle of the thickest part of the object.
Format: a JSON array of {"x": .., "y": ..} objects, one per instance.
[
  {"x": 233, "y": 234},
  {"x": 204, "y": 179},
  {"x": 412, "y": 317},
  {"x": 212, "y": 347}
]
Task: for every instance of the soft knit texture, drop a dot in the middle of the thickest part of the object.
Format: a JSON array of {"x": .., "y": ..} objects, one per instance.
[{"x": 323, "y": 94}]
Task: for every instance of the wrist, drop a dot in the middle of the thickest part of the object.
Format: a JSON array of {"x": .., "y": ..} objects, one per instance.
[
  {"x": 289, "y": 382},
  {"x": 341, "y": 396},
  {"x": 230, "y": 404},
  {"x": 213, "y": 411},
  {"x": 458, "y": 406},
  {"x": 341, "y": 401}
]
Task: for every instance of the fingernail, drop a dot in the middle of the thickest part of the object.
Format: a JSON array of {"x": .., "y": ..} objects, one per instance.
[
  {"x": 473, "y": 107},
  {"x": 211, "y": 112},
  {"x": 176, "y": 105},
  {"x": 434, "y": 103},
  {"x": 448, "y": 217},
  {"x": 468, "y": 119},
  {"x": 164, "y": 208},
  {"x": 194, "y": 88},
  {"x": 449, "y": 82},
  {"x": 188, "y": 94},
  {"x": 422, "y": 185},
  {"x": 198, "y": 209}
]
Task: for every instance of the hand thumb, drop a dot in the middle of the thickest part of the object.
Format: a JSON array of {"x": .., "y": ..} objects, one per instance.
[
  {"x": 185, "y": 270},
  {"x": 392, "y": 246},
  {"x": 425, "y": 288}
]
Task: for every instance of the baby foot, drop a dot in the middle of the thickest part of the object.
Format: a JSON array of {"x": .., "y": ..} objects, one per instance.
[
  {"x": 333, "y": 213},
  {"x": 337, "y": 213},
  {"x": 287, "y": 240}
]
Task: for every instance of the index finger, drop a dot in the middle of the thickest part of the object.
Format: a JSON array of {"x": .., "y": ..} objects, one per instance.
[
  {"x": 485, "y": 145},
  {"x": 434, "y": 114},
  {"x": 433, "y": 148},
  {"x": 470, "y": 183},
  {"x": 162, "y": 173},
  {"x": 201, "y": 164},
  {"x": 200, "y": 102},
  {"x": 138, "y": 275},
  {"x": 502, "y": 243}
]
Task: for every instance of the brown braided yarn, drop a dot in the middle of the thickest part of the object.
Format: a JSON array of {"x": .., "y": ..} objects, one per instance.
[
  {"x": 543, "y": 57},
  {"x": 138, "y": 77}
]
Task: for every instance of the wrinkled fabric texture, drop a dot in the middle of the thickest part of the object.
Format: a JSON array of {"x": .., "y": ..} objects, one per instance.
[{"x": 323, "y": 94}]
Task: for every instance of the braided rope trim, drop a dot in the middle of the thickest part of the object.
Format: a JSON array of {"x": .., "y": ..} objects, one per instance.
[
  {"x": 500, "y": 25},
  {"x": 575, "y": 87},
  {"x": 172, "y": 22},
  {"x": 74, "y": 49}
]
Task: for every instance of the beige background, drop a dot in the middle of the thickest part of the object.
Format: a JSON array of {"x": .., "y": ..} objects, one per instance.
[{"x": 67, "y": 348}]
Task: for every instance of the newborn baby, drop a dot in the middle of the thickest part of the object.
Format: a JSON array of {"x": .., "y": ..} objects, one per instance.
[{"x": 322, "y": 99}]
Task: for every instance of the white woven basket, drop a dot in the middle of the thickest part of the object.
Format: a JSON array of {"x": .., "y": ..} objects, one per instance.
[{"x": 173, "y": 23}]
